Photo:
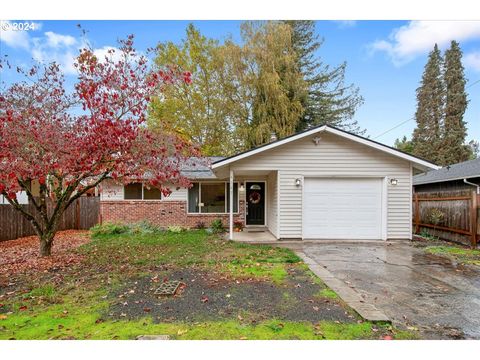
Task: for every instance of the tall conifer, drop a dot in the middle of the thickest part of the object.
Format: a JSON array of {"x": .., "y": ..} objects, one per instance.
[{"x": 427, "y": 139}]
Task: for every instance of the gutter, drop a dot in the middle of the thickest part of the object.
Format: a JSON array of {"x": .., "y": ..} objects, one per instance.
[{"x": 470, "y": 183}]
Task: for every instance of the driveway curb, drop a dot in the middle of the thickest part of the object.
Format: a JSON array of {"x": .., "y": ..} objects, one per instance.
[{"x": 350, "y": 296}]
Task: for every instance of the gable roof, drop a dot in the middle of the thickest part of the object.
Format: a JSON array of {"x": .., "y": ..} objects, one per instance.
[
  {"x": 421, "y": 163},
  {"x": 466, "y": 169},
  {"x": 198, "y": 168}
]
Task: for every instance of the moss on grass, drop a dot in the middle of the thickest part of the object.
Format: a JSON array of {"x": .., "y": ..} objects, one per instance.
[
  {"x": 461, "y": 255},
  {"x": 328, "y": 293}
]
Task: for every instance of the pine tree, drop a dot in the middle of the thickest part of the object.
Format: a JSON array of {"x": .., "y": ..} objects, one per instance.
[
  {"x": 329, "y": 99},
  {"x": 454, "y": 149},
  {"x": 427, "y": 139},
  {"x": 404, "y": 145}
]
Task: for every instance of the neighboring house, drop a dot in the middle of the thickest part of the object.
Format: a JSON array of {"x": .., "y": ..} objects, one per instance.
[
  {"x": 22, "y": 197},
  {"x": 323, "y": 183},
  {"x": 461, "y": 176}
]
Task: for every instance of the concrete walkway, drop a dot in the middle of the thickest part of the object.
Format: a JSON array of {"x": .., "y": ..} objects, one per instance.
[{"x": 400, "y": 282}]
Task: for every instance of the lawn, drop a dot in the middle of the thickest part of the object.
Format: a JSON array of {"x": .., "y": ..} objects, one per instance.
[
  {"x": 458, "y": 254},
  {"x": 229, "y": 291}
]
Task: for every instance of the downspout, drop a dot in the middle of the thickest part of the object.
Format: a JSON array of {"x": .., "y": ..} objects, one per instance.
[{"x": 473, "y": 184}]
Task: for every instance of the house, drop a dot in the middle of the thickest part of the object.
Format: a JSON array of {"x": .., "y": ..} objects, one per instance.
[
  {"x": 22, "y": 197},
  {"x": 461, "y": 176},
  {"x": 323, "y": 183}
]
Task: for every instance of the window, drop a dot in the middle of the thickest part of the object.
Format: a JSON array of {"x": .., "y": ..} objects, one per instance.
[
  {"x": 133, "y": 191},
  {"x": 212, "y": 198},
  {"x": 151, "y": 194},
  {"x": 137, "y": 191}
]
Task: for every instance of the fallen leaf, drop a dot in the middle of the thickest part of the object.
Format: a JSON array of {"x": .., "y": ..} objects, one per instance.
[
  {"x": 181, "y": 332},
  {"x": 3, "y": 317}
]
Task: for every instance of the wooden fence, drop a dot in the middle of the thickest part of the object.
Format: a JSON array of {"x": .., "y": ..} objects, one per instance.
[
  {"x": 82, "y": 214},
  {"x": 450, "y": 215}
]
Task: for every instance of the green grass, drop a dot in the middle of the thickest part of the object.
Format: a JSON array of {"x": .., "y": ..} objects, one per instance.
[
  {"x": 77, "y": 306},
  {"x": 328, "y": 293},
  {"x": 461, "y": 255},
  {"x": 66, "y": 322}
]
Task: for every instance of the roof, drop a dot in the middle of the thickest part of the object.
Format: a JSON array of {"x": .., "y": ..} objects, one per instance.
[
  {"x": 197, "y": 168},
  {"x": 463, "y": 170},
  {"x": 421, "y": 163}
]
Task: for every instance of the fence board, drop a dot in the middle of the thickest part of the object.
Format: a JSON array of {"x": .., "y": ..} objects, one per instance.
[
  {"x": 81, "y": 215},
  {"x": 456, "y": 211}
]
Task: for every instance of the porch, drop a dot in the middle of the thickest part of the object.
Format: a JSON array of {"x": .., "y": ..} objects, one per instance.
[
  {"x": 254, "y": 235},
  {"x": 258, "y": 199}
]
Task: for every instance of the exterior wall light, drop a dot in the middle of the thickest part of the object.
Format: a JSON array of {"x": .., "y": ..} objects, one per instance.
[
  {"x": 242, "y": 188},
  {"x": 394, "y": 182},
  {"x": 298, "y": 182}
]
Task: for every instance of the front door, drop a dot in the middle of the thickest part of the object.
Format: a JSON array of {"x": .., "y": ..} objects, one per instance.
[{"x": 255, "y": 203}]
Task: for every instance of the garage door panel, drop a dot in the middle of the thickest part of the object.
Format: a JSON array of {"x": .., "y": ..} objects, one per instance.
[{"x": 337, "y": 208}]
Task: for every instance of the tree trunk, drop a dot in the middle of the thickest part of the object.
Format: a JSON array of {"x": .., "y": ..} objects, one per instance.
[{"x": 46, "y": 242}]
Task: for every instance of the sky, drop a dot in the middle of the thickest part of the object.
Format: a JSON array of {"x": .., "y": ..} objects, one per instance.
[{"x": 385, "y": 59}]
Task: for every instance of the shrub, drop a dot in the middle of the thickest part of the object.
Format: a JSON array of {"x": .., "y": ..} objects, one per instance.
[
  {"x": 109, "y": 229},
  {"x": 144, "y": 227},
  {"x": 175, "y": 229},
  {"x": 436, "y": 216},
  {"x": 200, "y": 225},
  {"x": 217, "y": 226}
]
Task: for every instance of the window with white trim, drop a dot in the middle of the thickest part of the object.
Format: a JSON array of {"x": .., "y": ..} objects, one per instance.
[
  {"x": 138, "y": 191},
  {"x": 212, "y": 198}
]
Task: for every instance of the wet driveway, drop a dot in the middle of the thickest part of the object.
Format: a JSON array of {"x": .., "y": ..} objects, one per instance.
[{"x": 414, "y": 289}]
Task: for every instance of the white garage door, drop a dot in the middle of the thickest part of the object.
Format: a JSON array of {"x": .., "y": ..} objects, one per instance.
[{"x": 342, "y": 208}]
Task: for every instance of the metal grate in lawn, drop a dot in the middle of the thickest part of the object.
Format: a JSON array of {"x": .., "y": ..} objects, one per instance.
[{"x": 168, "y": 288}]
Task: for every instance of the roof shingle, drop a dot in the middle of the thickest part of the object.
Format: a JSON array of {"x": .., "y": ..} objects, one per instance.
[{"x": 467, "y": 169}]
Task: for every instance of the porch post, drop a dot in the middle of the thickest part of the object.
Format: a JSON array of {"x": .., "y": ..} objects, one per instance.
[{"x": 231, "y": 205}]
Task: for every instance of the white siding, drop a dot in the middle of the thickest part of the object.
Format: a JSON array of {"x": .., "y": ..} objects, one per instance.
[
  {"x": 333, "y": 157},
  {"x": 176, "y": 195},
  {"x": 272, "y": 203},
  {"x": 22, "y": 198},
  {"x": 111, "y": 191}
]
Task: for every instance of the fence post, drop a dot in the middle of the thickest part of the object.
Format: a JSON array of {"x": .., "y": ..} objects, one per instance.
[
  {"x": 474, "y": 219},
  {"x": 417, "y": 214},
  {"x": 77, "y": 214}
]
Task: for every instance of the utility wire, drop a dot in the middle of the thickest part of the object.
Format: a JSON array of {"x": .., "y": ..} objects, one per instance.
[{"x": 412, "y": 118}]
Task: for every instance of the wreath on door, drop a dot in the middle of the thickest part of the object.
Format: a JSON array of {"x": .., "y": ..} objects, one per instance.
[{"x": 255, "y": 197}]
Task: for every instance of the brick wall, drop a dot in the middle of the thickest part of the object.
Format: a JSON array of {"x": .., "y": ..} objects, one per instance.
[{"x": 160, "y": 213}]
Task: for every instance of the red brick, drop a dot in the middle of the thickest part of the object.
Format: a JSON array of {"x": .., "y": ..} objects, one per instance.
[{"x": 160, "y": 213}]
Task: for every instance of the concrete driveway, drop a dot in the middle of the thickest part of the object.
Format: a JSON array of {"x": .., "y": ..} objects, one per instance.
[{"x": 413, "y": 289}]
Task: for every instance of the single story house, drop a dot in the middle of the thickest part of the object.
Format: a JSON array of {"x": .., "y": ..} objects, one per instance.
[
  {"x": 461, "y": 176},
  {"x": 323, "y": 183}
]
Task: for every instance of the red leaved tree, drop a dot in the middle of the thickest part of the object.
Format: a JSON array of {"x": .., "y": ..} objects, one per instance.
[{"x": 71, "y": 142}]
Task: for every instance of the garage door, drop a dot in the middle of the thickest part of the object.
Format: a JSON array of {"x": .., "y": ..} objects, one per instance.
[{"x": 341, "y": 208}]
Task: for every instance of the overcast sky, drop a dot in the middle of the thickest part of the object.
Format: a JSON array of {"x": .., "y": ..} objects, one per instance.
[{"x": 385, "y": 58}]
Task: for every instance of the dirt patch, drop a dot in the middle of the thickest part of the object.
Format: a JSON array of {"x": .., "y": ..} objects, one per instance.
[
  {"x": 21, "y": 256},
  {"x": 213, "y": 296}
]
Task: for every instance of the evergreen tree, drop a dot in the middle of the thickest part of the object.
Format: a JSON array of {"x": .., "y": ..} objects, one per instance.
[
  {"x": 454, "y": 149},
  {"x": 427, "y": 139},
  {"x": 329, "y": 100},
  {"x": 404, "y": 145}
]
